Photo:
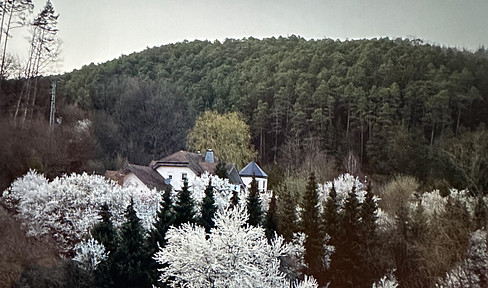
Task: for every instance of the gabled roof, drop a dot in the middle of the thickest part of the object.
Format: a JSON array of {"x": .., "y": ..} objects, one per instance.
[
  {"x": 253, "y": 169},
  {"x": 194, "y": 161},
  {"x": 151, "y": 178}
]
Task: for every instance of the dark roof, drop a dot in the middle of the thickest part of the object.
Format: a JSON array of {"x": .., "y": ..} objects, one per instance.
[
  {"x": 233, "y": 175},
  {"x": 253, "y": 169},
  {"x": 196, "y": 162},
  {"x": 151, "y": 178}
]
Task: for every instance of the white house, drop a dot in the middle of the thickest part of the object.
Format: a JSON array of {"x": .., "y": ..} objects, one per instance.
[
  {"x": 252, "y": 169},
  {"x": 173, "y": 170}
]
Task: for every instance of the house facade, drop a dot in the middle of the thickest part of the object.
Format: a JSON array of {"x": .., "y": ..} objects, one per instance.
[{"x": 253, "y": 170}]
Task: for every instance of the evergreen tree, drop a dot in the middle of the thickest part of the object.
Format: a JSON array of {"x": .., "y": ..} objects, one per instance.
[
  {"x": 331, "y": 216},
  {"x": 208, "y": 208},
  {"x": 184, "y": 207},
  {"x": 347, "y": 258},
  {"x": 314, "y": 239},
  {"x": 131, "y": 255},
  {"x": 254, "y": 204},
  {"x": 370, "y": 269},
  {"x": 164, "y": 219},
  {"x": 234, "y": 200},
  {"x": 287, "y": 217},
  {"x": 106, "y": 234},
  {"x": 270, "y": 218}
]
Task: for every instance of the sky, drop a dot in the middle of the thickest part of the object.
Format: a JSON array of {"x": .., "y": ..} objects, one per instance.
[{"x": 96, "y": 31}]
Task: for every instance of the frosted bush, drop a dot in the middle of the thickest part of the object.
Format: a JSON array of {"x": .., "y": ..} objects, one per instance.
[{"x": 89, "y": 253}]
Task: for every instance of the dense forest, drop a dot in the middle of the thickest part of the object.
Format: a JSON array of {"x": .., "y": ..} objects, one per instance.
[{"x": 378, "y": 107}]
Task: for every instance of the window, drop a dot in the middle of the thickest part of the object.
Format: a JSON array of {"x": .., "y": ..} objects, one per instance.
[
  {"x": 184, "y": 176},
  {"x": 170, "y": 176}
]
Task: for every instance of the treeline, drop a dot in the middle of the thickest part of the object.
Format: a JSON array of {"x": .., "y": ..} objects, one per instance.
[{"x": 393, "y": 105}]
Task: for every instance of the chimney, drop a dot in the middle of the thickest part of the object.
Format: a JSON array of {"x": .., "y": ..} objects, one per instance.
[{"x": 209, "y": 157}]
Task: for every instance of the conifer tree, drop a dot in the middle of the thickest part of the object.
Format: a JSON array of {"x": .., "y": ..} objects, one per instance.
[
  {"x": 331, "y": 216},
  {"x": 106, "y": 234},
  {"x": 208, "y": 208},
  {"x": 270, "y": 219},
  {"x": 314, "y": 239},
  {"x": 369, "y": 243},
  {"x": 347, "y": 248},
  {"x": 131, "y": 255},
  {"x": 185, "y": 206},
  {"x": 164, "y": 220},
  {"x": 287, "y": 217},
  {"x": 234, "y": 200},
  {"x": 254, "y": 204}
]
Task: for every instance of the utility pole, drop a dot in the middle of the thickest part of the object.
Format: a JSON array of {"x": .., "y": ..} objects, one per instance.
[{"x": 53, "y": 104}]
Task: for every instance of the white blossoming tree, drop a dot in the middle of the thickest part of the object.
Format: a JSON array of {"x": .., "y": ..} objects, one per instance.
[
  {"x": 89, "y": 253},
  {"x": 233, "y": 255},
  {"x": 67, "y": 207}
]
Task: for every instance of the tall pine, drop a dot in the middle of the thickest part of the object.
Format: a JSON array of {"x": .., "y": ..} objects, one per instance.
[
  {"x": 234, "y": 200},
  {"x": 131, "y": 255},
  {"x": 254, "y": 204},
  {"x": 270, "y": 218},
  {"x": 311, "y": 225},
  {"x": 106, "y": 234},
  {"x": 332, "y": 226},
  {"x": 347, "y": 255},
  {"x": 287, "y": 214},
  {"x": 208, "y": 208},
  {"x": 165, "y": 218},
  {"x": 185, "y": 206}
]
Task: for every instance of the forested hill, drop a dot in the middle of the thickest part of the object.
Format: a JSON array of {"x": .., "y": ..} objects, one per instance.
[{"x": 394, "y": 103}]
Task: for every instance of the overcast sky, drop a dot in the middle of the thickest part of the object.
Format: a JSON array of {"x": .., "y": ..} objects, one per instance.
[{"x": 101, "y": 30}]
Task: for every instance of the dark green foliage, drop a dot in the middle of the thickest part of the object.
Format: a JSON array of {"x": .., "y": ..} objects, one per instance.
[
  {"x": 220, "y": 170},
  {"x": 287, "y": 214},
  {"x": 106, "y": 234},
  {"x": 311, "y": 225},
  {"x": 254, "y": 204},
  {"x": 131, "y": 258},
  {"x": 208, "y": 208},
  {"x": 185, "y": 206},
  {"x": 347, "y": 259},
  {"x": 164, "y": 220},
  {"x": 270, "y": 220},
  {"x": 331, "y": 216},
  {"x": 234, "y": 200}
]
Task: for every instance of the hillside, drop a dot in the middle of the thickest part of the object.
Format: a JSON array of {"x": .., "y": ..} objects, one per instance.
[{"x": 395, "y": 105}]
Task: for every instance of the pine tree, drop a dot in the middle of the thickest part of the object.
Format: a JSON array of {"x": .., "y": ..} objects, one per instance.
[
  {"x": 314, "y": 239},
  {"x": 347, "y": 258},
  {"x": 184, "y": 207},
  {"x": 208, "y": 208},
  {"x": 287, "y": 217},
  {"x": 220, "y": 170},
  {"x": 254, "y": 204},
  {"x": 331, "y": 216},
  {"x": 131, "y": 255},
  {"x": 234, "y": 200},
  {"x": 164, "y": 220},
  {"x": 270, "y": 219},
  {"x": 106, "y": 234},
  {"x": 369, "y": 269}
]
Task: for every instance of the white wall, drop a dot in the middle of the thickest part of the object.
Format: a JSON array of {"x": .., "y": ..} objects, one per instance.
[
  {"x": 176, "y": 173},
  {"x": 262, "y": 183}
]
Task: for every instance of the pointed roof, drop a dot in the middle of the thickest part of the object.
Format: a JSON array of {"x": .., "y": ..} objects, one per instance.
[
  {"x": 151, "y": 178},
  {"x": 253, "y": 169}
]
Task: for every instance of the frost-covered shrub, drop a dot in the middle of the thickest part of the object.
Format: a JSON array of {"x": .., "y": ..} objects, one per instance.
[
  {"x": 67, "y": 207},
  {"x": 387, "y": 281},
  {"x": 234, "y": 255},
  {"x": 89, "y": 253}
]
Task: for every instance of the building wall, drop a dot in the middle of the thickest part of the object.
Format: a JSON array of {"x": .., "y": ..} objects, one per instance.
[
  {"x": 176, "y": 174},
  {"x": 262, "y": 183}
]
